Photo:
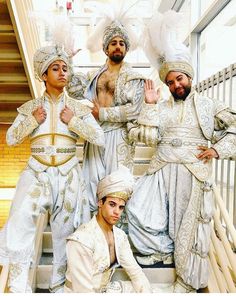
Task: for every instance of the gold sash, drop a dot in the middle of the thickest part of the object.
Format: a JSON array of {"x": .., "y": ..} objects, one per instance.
[{"x": 53, "y": 149}]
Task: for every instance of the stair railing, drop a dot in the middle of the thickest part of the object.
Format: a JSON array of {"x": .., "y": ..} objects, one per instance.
[
  {"x": 221, "y": 255},
  {"x": 4, "y": 278}
]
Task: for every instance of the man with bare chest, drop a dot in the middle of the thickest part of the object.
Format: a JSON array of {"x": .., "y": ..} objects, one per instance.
[
  {"x": 96, "y": 248},
  {"x": 116, "y": 92},
  {"x": 106, "y": 88}
]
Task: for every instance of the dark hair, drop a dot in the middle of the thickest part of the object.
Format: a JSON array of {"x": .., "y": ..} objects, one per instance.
[
  {"x": 104, "y": 200},
  {"x": 46, "y": 72}
]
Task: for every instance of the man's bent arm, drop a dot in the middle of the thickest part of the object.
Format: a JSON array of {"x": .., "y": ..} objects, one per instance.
[
  {"x": 225, "y": 125},
  {"x": 88, "y": 129},
  {"x": 21, "y": 128},
  {"x": 129, "y": 111},
  {"x": 80, "y": 267},
  {"x": 146, "y": 130},
  {"x": 139, "y": 281}
]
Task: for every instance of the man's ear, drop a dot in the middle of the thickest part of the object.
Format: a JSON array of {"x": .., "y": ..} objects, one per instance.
[
  {"x": 99, "y": 203},
  {"x": 44, "y": 77}
]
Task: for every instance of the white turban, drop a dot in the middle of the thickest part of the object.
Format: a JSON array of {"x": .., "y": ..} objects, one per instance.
[
  {"x": 175, "y": 66},
  {"x": 118, "y": 184},
  {"x": 113, "y": 30},
  {"x": 45, "y": 56}
]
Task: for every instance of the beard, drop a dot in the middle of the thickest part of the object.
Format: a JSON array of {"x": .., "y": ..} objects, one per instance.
[
  {"x": 183, "y": 96},
  {"x": 116, "y": 58}
]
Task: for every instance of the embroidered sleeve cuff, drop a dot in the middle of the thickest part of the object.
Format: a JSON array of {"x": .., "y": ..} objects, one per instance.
[
  {"x": 226, "y": 148},
  {"x": 113, "y": 114},
  {"x": 89, "y": 131},
  {"x": 102, "y": 114},
  {"x": 72, "y": 123},
  {"x": 149, "y": 115},
  {"x": 32, "y": 122}
]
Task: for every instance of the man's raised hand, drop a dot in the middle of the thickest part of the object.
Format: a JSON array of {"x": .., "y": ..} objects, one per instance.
[{"x": 151, "y": 95}]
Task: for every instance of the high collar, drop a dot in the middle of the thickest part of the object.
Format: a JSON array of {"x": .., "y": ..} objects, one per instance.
[{"x": 46, "y": 96}]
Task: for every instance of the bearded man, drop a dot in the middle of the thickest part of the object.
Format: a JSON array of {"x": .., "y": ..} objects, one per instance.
[
  {"x": 172, "y": 205},
  {"x": 117, "y": 94}
]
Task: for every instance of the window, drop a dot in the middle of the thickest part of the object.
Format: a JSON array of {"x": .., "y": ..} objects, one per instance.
[{"x": 217, "y": 49}]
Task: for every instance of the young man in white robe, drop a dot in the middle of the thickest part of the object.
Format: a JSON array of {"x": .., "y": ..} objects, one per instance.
[
  {"x": 52, "y": 179},
  {"x": 96, "y": 248}
]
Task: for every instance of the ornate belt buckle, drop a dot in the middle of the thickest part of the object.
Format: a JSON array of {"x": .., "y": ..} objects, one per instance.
[
  {"x": 176, "y": 142},
  {"x": 50, "y": 150}
]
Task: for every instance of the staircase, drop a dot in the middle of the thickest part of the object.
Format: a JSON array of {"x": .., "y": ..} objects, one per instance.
[{"x": 17, "y": 44}]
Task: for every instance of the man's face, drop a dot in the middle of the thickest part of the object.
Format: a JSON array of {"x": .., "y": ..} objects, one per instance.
[
  {"x": 179, "y": 85},
  {"x": 116, "y": 50},
  {"x": 57, "y": 75},
  {"x": 111, "y": 210}
]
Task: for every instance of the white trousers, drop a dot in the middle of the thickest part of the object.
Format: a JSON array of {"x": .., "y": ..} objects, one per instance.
[{"x": 65, "y": 198}]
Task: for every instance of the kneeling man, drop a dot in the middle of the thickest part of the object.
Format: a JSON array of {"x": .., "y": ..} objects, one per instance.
[{"x": 96, "y": 248}]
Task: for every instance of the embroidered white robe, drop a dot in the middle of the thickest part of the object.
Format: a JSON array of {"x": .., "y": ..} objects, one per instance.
[
  {"x": 114, "y": 120},
  {"x": 89, "y": 269},
  {"x": 57, "y": 188},
  {"x": 172, "y": 204}
]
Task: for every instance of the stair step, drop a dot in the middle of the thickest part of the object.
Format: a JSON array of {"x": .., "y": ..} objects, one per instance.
[
  {"x": 46, "y": 259},
  {"x": 47, "y": 242},
  {"x": 43, "y": 276},
  {"x": 155, "y": 275}
]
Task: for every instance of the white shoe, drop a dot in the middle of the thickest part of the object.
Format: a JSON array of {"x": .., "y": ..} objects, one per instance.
[{"x": 154, "y": 258}]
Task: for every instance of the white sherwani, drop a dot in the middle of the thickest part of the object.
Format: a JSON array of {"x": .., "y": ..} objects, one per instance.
[
  {"x": 128, "y": 99},
  {"x": 172, "y": 205},
  {"x": 51, "y": 181},
  {"x": 89, "y": 269}
]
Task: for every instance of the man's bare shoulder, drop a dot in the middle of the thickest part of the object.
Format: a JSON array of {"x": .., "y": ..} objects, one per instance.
[{"x": 91, "y": 74}]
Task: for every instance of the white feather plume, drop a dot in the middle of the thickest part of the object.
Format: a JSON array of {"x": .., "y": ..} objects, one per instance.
[
  {"x": 160, "y": 39},
  {"x": 60, "y": 29},
  {"x": 105, "y": 14}
]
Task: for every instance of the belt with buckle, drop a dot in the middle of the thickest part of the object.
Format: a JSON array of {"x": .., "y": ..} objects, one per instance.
[
  {"x": 177, "y": 142},
  {"x": 52, "y": 150}
]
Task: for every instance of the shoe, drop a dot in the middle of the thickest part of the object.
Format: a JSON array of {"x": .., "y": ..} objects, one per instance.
[
  {"x": 181, "y": 287},
  {"x": 154, "y": 258},
  {"x": 113, "y": 287}
]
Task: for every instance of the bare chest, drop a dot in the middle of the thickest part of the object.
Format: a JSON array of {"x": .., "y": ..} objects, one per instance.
[
  {"x": 111, "y": 247},
  {"x": 106, "y": 88}
]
